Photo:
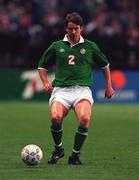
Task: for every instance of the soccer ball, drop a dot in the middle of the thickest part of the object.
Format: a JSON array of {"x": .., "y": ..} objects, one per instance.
[{"x": 31, "y": 154}]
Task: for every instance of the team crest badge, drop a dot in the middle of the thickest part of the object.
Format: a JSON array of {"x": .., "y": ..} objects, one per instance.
[
  {"x": 82, "y": 51},
  {"x": 62, "y": 50}
]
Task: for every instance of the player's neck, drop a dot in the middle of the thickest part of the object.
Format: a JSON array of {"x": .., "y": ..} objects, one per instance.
[{"x": 73, "y": 41}]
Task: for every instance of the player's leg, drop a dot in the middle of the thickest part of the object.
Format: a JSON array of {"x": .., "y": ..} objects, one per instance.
[
  {"x": 57, "y": 112},
  {"x": 83, "y": 112}
]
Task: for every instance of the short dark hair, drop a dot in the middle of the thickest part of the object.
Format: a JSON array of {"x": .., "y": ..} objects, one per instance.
[{"x": 75, "y": 18}]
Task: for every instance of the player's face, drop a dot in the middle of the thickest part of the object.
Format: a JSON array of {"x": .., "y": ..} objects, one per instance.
[{"x": 74, "y": 31}]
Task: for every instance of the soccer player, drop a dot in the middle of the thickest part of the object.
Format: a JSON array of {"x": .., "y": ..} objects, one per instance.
[{"x": 73, "y": 57}]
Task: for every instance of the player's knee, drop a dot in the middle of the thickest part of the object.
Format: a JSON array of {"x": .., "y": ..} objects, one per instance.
[
  {"x": 56, "y": 117},
  {"x": 84, "y": 120}
]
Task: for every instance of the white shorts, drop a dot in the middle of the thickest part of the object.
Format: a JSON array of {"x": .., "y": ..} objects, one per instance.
[{"x": 70, "y": 96}]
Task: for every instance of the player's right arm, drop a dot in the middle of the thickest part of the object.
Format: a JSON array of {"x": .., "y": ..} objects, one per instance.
[
  {"x": 46, "y": 60},
  {"x": 46, "y": 85}
]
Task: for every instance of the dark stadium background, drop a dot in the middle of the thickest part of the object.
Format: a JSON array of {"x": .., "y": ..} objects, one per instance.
[{"x": 28, "y": 27}]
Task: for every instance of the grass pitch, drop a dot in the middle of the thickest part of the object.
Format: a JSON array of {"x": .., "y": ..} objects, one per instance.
[{"x": 111, "y": 151}]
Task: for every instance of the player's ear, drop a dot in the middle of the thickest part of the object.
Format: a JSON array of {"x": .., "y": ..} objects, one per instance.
[
  {"x": 66, "y": 28},
  {"x": 81, "y": 28}
]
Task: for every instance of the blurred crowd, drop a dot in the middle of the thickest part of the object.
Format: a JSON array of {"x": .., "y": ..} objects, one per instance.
[{"x": 27, "y": 27}]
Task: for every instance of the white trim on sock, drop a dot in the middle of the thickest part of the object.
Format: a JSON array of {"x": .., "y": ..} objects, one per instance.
[
  {"x": 59, "y": 145},
  {"x": 85, "y": 133},
  {"x": 75, "y": 151},
  {"x": 56, "y": 130}
]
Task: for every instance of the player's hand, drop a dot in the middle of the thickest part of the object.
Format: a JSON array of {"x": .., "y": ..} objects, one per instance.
[
  {"x": 47, "y": 87},
  {"x": 109, "y": 92}
]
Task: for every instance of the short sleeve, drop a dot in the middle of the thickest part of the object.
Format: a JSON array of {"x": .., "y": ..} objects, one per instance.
[
  {"x": 48, "y": 58},
  {"x": 100, "y": 57}
]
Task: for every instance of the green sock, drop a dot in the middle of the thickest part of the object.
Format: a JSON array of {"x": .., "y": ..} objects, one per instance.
[
  {"x": 79, "y": 139},
  {"x": 56, "y": 131}
]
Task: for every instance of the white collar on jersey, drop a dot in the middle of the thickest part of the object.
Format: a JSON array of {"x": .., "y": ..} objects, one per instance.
[{"x": 81, "y": 40}]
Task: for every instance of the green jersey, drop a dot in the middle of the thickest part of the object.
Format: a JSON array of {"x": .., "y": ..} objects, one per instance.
[{"x": 73, "y": 63}]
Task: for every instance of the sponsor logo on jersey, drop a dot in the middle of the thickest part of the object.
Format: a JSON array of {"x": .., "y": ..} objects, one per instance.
[
  {"x": 62, "y": 50},
  {"x": 82, "y": 51}
]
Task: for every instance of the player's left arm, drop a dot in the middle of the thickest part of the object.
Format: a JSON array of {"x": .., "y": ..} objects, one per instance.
[
  {"x": 103, "y": 63},
  {"x": 109, "y": 91}
]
